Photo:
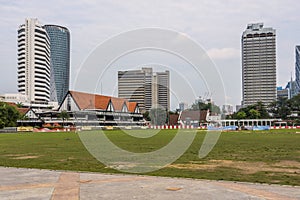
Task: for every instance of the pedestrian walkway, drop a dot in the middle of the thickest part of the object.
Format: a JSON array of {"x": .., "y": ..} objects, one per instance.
[{"x": 46, "y": 184}]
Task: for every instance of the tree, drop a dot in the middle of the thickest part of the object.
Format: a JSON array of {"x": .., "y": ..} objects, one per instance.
[
  {"x": 19, "y": 104},
  {"x": 262, "y": 109},
  {"x": 199, "y": 105},
  {"x": 254, "y": 114},
  {"x": 158, "y": 116},
  {"x": 295, "y": 104},
  {"x": 241, "y": 115},
  {"x": 64, "y": 115},
  {"x": 256, "y": 111},
  {"x": 281, "y": 108},
  {"x": 146, "y": 116},
  {"x": 8, "y": 115}
]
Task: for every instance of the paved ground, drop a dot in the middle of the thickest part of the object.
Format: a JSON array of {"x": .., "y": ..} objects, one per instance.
[{"x": 45, "y": 184}]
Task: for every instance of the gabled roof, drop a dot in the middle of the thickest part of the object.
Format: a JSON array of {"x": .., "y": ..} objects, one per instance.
[
  {"x": 100, "y": 102},
  {"x": 118, "y": 103},
  {"x": 90, "y": 101},
  {"x": 131, "y": 106},
  {"x": 23, "y": 111}
]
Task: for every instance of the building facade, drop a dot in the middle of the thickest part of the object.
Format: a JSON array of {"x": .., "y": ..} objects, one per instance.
[
  {"x": 13, "y": 98},
  {"x": 145, "y": 87},
  {"x": 258, "y": 64},
  {"x": 297, "y": 69},
  {"x": 227, "y": 109},
  {"x": 160, "y": 92},
  {"x": 135, "y": 85},
  {"x": 34, "y": 61},
  {"x": 183, "y": 106},
  {"x": 60, "y": 61},
  {"x": 283, "y": 93}
]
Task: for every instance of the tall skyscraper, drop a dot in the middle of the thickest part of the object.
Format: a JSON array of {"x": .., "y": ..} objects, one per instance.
[
  {"x": 258, "y": 64},
  {"x": 60, "y": 61},
  {"x": 160, "y": 91},
  {"x": 145, "y": 87},
  {"x": 297, "y": 69},
  {"x": 34, "y": 61},
  {"x": 136, "y": 85}
]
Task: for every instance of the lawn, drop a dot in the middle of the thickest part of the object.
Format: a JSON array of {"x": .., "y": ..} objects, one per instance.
[{"x": 264, "y": 156}]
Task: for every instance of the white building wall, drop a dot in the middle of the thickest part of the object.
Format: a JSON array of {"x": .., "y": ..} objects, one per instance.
[{"x": 33, "y": 61}]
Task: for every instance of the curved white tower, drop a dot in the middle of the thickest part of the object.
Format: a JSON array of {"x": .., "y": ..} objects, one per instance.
[{"x": 34, "y": 61}]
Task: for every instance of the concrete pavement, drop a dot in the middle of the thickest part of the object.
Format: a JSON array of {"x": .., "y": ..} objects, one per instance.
[{"x": 33, "y": 184}]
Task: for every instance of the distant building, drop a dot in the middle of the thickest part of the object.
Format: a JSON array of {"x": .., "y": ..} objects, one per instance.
[
  {"x": 145, "y": 87},
  {"x": 227, "y": 109},
  {"x": 160, "y": 91},
  {"x": 258, "y": 64},
  {"x": 289, "y": 91},
  {"x": 194, "y": 117},
  {"x": 136, "y": 85},
  {"x": 297, "y": 69},
  {"x": 182, "y": 106},
  {"x": 60, "y": 61},
  {"x": 13, "y": 98},
  {"x": 238, "y": 107},
  {"x": 34, "y": 61},
  {"x": 292, "y": 87},
  {"x": 283, "y": 93}
]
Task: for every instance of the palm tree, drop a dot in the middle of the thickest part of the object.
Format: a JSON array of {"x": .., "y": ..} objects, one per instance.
[{"x": 64, "y": 115}]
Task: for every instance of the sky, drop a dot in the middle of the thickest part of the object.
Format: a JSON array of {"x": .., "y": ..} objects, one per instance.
[{"x": 215, "y": 25}]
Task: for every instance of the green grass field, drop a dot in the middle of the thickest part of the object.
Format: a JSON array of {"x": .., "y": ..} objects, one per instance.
[{"x": 264, "y": 156}]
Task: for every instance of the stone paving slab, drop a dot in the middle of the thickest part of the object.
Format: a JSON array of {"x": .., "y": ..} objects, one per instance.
[{"x": 19, "y": 183}]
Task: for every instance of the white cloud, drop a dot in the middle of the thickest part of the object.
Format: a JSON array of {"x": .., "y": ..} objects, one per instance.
[{"x": 223, "y": 53}]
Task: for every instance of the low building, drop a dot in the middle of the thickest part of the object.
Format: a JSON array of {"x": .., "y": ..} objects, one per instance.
[
  {"x": 100, "y": 110},
  {"x": 195, "y": 118},
  {"x": 13, "y": 98},
  {"x": 85, "y": 109}
]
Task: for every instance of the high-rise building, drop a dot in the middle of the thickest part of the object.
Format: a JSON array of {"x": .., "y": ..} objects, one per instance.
[
  {"x": 297, "y": 69},
  {"x": 146, "y": 88},
  {"x": 160, "y": 91},
  {"x": 60, "y": 61},
  {"x": 258, "y": 64},
  {"x": 132, "y": 86},
  {"x": 34, "y": 61}
]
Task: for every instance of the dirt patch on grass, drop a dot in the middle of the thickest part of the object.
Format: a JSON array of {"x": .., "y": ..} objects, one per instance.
[
  {"x": 21, "y": 156},
  {"x": 288, "y": 163},
  {"x": 66, "y": 159},
  {"x": 25, "y": 157},
  {"x": 286, "y": 166}
]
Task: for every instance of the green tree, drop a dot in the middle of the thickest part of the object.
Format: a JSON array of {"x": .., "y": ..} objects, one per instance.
[
  {"x": 256, "y": 111},
  {"x": 146, "y": 116},
  {"x": 262, "y": 109},
  {"x": 8, "y": 115},
  {"x": 64, "y": 115},
  {"x": 241, "y": 115},
  {"x": 295, "y": 104},
  {"x": 199, "y": 105},
  {"x": 19, "y": 104},
  {"x": 254, "y": 114},
  {"x": 281, "y": 108}
]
